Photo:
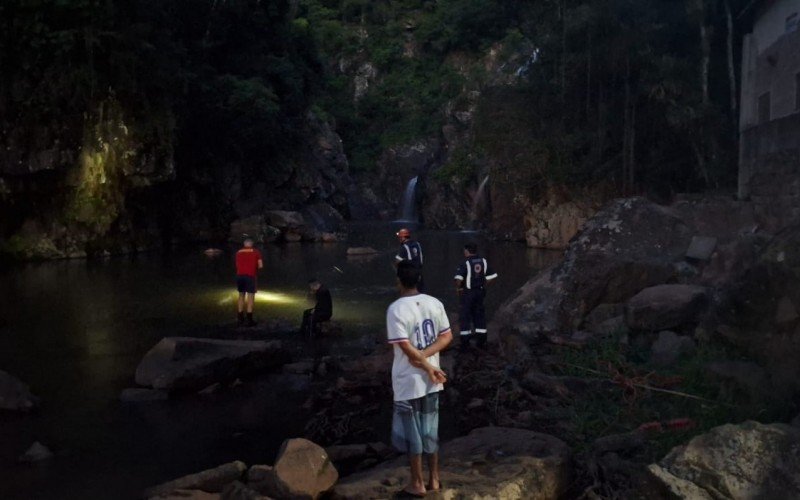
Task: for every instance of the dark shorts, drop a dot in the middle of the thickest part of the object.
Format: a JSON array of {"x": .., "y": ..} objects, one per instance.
[
  {"x": 415, "y": 425},
  {"x": 245, "y": 284}
]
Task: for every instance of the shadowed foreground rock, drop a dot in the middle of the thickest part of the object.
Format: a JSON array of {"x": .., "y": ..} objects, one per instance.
[
  {"x": 184, "y": 363},
  {"x": 665, "y": 306},
  {"x": 302, "y": 471},
  {"x": 208, "y": 481},
  {"x": 15, "y": 395},
  {"x": 491, "y": 462},
  {"x": 745, "y": 461}
]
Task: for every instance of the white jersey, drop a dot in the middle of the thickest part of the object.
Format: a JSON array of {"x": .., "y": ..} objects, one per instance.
[{"x": 418, "y": 319}]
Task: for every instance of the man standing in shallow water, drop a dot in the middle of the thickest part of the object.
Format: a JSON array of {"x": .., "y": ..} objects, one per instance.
[
  {"x": 248, "y": 262},
  {"x": 418, "y": 329}
]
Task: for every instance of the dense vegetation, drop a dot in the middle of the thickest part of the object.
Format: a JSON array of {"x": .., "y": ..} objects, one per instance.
[{"x": 637, "y": 93}]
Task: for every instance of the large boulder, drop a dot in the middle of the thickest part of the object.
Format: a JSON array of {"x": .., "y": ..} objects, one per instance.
[
  {"x": 665, "y": 306},
  {"x": 185, "y": 363},
  {"x": 552, "y": 222},
  {"x": 15, "y": 395},
  {"x": 490, "y": 462},
  {"x": 745, "y": 461},
  {"x": 255, "y": 227},
  {"x": 211, "y": 480},
  {"x": 302, "y": 471}
]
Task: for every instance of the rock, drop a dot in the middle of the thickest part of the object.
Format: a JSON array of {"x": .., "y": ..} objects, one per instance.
[
  {"x": 255, "y": 227},
  {"x": 552, "y": 223},
  {"x": 626, "y": 247},
  {"x": 476, "y": 403},
  {"x": 285, "y": 220},
  {"x": 344, "y": 452},
  {"x": 212, "y": 252},
  {"x": 328, "y": 238},
  {"x": 361, "y": 251},
  {"x": 490, "y": 462},
  {"x": 240, "y": 491},
  {"x": 302, "y": 470},
  {"x": 370, "y": 364},
  {"x": 211, "y": 389},
  {"x": 745, "y": 461},
  {"x": 292, "y": 237},
  {"x": 619, "y": 442},
  {"x": 211, "y": 480},
  {"x": 739, "y": 377},
  {"x": 15, "y": 395},
  {"x": 185, "y": 363},
  {"x": 786, "y": 312},
  {"x": 136, "y": 395},
  {"x": 701, "y": 247},
  {"x": 330, "y": 328},
  {"x": 36, "y": 453},
  {"x": 669, "y": 347},
  {"x": 187, "y": 495},
  {"x": 300, "y": 367},
  {"x": 665, "y": 306}
]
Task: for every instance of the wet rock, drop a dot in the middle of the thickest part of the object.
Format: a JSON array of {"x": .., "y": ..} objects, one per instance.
[
  {"x": 211, "y": 480},
  {"x": 36, "y": 453},
  {"x": 361, "y": 251},
  {"x": 302, "y": 470},
  {"x": 665, "y": 306},
  {"x": 745, "y": 461},
  {"x": 513, "y": 464},
  {"x": 15, "y": 395},
  {"x": 328, "y": 238},
  {"x": 701, "y": 247},
  {"x": 669, "y": 347},
  {"x": 136, "y": 395},
  {"x": 185, "y": 363}
]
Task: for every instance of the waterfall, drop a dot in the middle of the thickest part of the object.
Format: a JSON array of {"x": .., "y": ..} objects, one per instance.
[
  {"x": 479, "y": 195},
  {"x": 409, "y": 206}
]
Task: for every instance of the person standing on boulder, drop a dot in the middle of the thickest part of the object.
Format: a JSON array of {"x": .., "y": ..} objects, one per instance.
[
  {"x": 418, "y": 329},
  {"x": 410, "y": 251},
  {"x": 248, "y": 262},
  {"x": 472, "y": 277}
]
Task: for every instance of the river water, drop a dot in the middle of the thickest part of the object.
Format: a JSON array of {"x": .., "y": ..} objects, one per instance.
[{"x": 75, "y": 331}]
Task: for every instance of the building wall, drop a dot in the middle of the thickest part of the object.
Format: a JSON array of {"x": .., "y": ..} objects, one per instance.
[{"x": 769, "y": 156}]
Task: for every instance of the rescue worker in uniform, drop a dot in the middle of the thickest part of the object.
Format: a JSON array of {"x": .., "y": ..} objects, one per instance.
[
  {"x": 411, "y": 251},
  {"x": 472, "y": 277}
]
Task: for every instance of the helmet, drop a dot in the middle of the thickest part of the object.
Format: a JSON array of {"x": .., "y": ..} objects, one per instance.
[{"x": 404, "y": 233}]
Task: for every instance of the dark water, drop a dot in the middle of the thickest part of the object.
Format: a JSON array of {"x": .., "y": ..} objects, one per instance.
[{"x": 75, "y": 331}]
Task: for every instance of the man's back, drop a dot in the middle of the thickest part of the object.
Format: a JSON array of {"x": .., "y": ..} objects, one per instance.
[
  {"x": 247, "y": 261},
  {"x": 418, "y": 319}
]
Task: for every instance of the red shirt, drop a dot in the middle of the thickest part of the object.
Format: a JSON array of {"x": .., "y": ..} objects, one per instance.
[{"x": 247, "y": 262}]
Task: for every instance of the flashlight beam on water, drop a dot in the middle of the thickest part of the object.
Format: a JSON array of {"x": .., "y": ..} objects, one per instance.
[{"x": 262, "y": 298}]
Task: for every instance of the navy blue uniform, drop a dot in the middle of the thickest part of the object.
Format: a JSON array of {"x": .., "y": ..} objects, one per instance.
[
  {"x": 473, "y": 275},
  {"x": 411, "y": 251}
]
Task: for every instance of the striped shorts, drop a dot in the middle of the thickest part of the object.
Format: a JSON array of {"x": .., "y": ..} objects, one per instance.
[{"x": 415, "y": 425}]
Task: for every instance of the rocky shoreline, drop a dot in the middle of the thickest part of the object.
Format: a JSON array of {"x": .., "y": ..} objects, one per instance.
[{"x": 652, "y": 362}]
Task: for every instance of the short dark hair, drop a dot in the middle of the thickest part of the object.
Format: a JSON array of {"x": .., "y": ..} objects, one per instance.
[
  {"x": 408, "y": 274},
  {"x": 471, "y": 247}
]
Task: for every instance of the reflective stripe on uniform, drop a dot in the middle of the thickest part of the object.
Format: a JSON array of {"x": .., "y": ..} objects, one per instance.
[
  {"x": 480, "y": 330},
  {"x": 469, "y": 275},
  {"x": 465, "y": 332}
]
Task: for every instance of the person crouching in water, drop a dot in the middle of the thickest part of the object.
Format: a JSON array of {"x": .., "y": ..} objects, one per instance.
[
  {"x": 248, "y": 262},
  {"x": 322, "y": 310},
  {"x": 418, "y": 329}
]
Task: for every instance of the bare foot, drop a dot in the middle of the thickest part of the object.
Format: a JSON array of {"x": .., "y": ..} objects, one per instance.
[
  {"x": 411, "y": 491},
  {"x": 434, "y": 485}
]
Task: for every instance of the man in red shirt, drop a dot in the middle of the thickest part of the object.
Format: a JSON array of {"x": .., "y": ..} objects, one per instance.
[{"x": 248, "y": 262}]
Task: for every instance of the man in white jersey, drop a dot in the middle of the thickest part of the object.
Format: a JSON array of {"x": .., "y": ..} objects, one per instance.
[{"x": 418, "y": 328}]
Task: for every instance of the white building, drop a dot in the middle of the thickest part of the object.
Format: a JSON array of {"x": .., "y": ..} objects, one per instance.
[{"x": 769, "y": 127}]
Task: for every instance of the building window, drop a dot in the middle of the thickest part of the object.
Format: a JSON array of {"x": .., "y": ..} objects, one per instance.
[
  {"x": 792, "y": 22},
  {"x": 764, "y": 103}
]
